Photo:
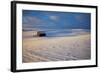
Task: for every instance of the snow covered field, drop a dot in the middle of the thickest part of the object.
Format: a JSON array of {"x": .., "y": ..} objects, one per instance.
[{"x": 44, "y": 49}]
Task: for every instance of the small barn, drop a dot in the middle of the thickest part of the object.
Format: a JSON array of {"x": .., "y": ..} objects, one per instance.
[{"x": 39, "y": 33}]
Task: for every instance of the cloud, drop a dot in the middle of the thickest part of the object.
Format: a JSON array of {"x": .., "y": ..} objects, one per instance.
[
  {"x": 31, "y": 20},
  {"x": 55, "y": 18},
  {"x": 35, "y": 22},
  {"x": 80, "y": 17}
]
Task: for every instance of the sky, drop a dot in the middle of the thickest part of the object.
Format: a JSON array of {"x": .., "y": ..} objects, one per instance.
[{"x": 40, "y": 20}]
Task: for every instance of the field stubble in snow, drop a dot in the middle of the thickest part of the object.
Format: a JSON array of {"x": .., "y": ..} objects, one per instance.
[{"x": 44, "y": 49}]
